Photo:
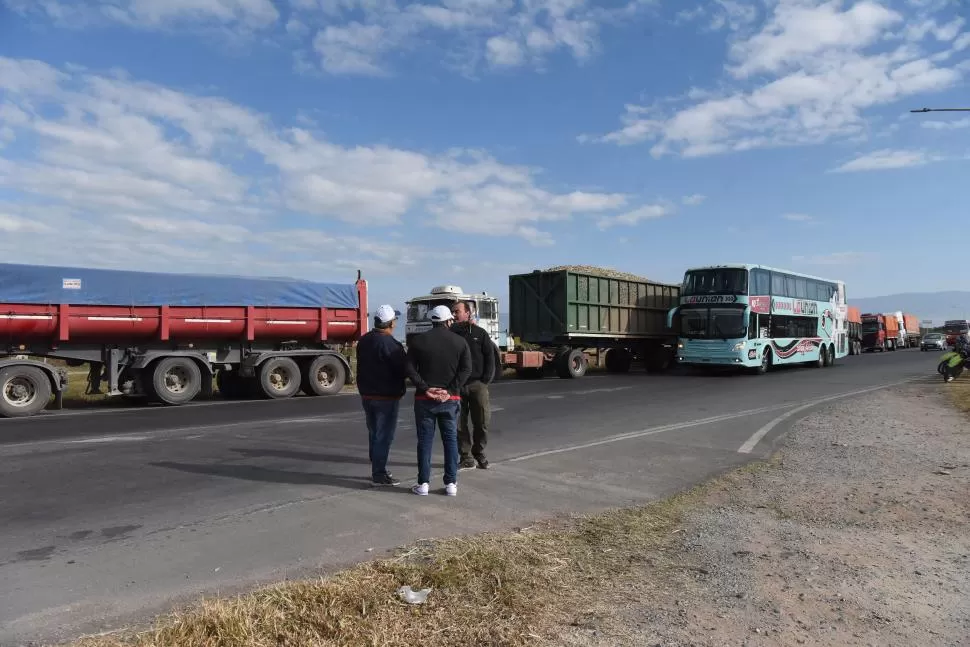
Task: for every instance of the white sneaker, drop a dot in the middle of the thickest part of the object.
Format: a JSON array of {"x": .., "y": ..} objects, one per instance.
[
  {"x": 421, "y": 489},
  {"x": 451, "y": 489}
]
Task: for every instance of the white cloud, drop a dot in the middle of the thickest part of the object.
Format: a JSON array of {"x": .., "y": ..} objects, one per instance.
[
  {"x": 956, "y": 124},
  {"x": 694, "y": 200},
  {"x": 811, "y": 73},
  {"x": 152, "y": 14},
  {"x": 136, "y": 174},
  {"x": 504, "y": 33},
  {"x": 797, "y": 217},
  {"x": 631, "y": 218},
  {"x": 887, "y": 159}
]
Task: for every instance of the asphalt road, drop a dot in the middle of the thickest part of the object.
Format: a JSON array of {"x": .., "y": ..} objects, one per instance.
[{"x": 109, "y": 516}]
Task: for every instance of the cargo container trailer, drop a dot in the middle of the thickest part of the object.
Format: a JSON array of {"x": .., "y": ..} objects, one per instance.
[
  {"x": 854, "y": 329},
  {"x": 559, "y": 316},
  {"x": 911, "y": 327},
  {"x": 164, "y": 337},
  {"x": 879, "y": 332}
]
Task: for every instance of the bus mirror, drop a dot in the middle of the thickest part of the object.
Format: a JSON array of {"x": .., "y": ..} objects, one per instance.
[{"x": 670, "y": 317}]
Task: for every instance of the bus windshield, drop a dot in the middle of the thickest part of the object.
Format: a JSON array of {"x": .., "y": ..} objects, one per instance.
[
  {"x": 713, "y": 323},
  {"x": 715, "y": 281},
  {"x": 956, "y": 329}
]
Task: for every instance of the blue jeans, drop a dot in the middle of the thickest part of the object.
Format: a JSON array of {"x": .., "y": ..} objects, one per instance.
[
  {"x": 428, "y": 413},
  {"x": 381, "y": 416}
]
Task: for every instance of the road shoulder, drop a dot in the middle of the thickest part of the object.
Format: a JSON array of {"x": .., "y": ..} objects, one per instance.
[{"x": 855, "y": 533}]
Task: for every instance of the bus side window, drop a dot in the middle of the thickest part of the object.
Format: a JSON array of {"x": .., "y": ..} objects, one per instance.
[{"x": 753, "y": 326}]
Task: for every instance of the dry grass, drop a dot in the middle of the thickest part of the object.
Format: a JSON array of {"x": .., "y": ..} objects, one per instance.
[
  {"x": 494, "y": 589},
  {"x": 959, "y": 392}
]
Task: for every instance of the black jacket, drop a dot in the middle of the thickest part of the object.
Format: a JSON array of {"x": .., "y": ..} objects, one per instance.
[
  {"x": 441, "y": 359},
  {"x": 382, "y": 367},
  {"x": 482, "y": 349}
]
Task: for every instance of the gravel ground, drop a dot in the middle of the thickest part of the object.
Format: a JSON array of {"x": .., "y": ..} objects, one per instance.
[{"x": 857, "y": 534}]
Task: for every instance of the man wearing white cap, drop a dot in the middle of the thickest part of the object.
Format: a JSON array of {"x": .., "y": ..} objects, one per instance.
[
  {"x": 382, "y": 368},
  {"x": 442, "y": 360}
]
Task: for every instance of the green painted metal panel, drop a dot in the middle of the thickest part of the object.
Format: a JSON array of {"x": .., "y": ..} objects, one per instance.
[{"x": 554, "y": 306}]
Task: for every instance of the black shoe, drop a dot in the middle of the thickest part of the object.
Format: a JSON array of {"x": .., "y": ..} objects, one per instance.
[
  {"x": 466, "y": 464},
  {"x": 387, "y": 479},
  {"x": 482, "y": 462}
]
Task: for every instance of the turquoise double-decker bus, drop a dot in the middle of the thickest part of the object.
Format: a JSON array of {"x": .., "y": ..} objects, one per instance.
[{"x": 755, "y": 317}]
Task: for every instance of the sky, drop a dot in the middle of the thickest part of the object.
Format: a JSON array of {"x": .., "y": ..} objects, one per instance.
[{"x": 460, "y": 141}]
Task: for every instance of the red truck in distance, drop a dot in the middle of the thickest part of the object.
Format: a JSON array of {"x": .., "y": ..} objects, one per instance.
[
  {"x": 879, "y": 332},
  {"x": 163, "y": 337}
]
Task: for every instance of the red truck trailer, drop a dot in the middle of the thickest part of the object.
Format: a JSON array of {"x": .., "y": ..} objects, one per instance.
[
  {"x": 879, "y": 332},
  {"x": 164, "y": 337}
]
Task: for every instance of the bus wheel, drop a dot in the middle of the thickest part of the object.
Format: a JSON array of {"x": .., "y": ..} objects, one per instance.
[
  {"x": 831, "y": 355},
  {"x": 822, "y": 357},
  {"x": 765, "y": 364}
]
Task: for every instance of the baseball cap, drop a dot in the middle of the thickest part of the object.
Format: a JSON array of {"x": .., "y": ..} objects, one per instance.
[
  {"x": 441, "y": 313},
  {"x": 386, "y": 314}
]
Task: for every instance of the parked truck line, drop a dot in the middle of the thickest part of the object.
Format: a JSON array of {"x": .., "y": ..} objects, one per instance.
[{"x": 163, "y": 337}]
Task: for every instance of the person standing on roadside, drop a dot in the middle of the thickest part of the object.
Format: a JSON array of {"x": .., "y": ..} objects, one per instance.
[
  {"x": 443, "y": 362},
  {"x": 382, "y": 369},
  {"x": 475, "y": 395}
]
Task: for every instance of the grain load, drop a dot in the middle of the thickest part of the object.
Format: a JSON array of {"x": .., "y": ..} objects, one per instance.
[{"x": 605, "y": 272}]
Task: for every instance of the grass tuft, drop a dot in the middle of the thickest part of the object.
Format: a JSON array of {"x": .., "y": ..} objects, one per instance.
[{"x": 490, "y": 589}]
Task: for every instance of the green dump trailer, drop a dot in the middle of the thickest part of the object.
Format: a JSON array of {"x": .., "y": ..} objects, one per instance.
[{"x": 558, "y": 316}]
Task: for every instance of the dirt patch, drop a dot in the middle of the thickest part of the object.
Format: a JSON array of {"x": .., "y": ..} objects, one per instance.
[{"x": 858, "y": 534}]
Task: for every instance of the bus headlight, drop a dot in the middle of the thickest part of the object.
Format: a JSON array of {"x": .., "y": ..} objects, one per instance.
[{"x": 739, "y": 346}]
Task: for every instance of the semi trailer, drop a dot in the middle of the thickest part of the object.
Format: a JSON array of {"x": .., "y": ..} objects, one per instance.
[
  {"x": 854, "y": 329},
  {"x": 557, "y": 316},
  {"x": 879, "y": 332},
  {"x": 163, "y": 337}
]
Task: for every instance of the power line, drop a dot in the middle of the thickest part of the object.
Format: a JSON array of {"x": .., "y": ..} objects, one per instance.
[{"x": 942, "y": 110}]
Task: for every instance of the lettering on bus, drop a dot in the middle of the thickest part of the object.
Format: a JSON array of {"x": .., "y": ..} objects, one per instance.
[
  {"x": 711, "y": 298},
  {"x": 760, "y": 305},
  {"x": 778, "y": 305},
  {"x": 806, "y": 308}
]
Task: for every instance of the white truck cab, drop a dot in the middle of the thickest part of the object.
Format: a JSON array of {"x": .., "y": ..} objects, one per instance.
[{"x": 484, "y": 311}]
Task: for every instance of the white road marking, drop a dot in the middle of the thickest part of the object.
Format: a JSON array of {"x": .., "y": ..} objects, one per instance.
[
  {"x": 108, "y": 439},
  {"x": 757, "y": 436},
  {"x": 494, "y": 409},
  {"x": 555, "y": 397}
]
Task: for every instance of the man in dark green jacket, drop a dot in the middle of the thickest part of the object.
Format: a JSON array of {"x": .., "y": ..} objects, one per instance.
[{"x": 474, "y": 397}]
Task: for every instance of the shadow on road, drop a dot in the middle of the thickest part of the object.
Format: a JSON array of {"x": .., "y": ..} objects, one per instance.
[
  {"x": 269, "y": 475},
  {"x": 323, "y": 458}
]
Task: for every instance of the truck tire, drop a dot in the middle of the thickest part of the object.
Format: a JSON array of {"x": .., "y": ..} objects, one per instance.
[
  {"x": 324, "y": 375},
  {"x": 571, "y": 364},
  {"x": 618, "y": 360},
  {"x": 279, "y": 378},
  {"x": 174, "y": 380},
  {"x": 24, "y": 391}
]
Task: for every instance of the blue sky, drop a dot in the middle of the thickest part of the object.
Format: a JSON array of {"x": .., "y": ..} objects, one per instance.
[{"x": 460, "y": 141}]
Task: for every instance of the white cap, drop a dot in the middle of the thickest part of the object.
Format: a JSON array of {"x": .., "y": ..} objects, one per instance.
[
  {"x": 386, "y": 314},
  {"x": 440, "y": 313}
]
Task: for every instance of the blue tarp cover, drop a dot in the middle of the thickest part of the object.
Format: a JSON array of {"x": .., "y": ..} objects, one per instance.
[{"x": 83, "y": 286}]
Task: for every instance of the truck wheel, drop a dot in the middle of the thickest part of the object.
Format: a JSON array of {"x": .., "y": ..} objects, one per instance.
[
  {"x": 325, "y": 375},
  {"x": 572, "y": 364},
  {"x": 618, "y": 360},
  {"x": 279, "y": 377},
  {"x": 24, "y": 391},
  {"x": 175, "y": 380}
]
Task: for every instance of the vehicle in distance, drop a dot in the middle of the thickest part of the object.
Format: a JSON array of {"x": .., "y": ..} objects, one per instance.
[
  {"x": 753, "y": 317},
  {"x": 953, "y": 328},
  {"x": 879, "y": 332},
  {"x": 933, "y": 341},
  {"x": 909, "y": 332},
  {"x": 853, "y": 322},
  {"x": 163, "y": 337},
  {"x": 560, "y": 314}
]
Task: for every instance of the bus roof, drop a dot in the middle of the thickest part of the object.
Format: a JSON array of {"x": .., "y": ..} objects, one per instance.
[{"x": 750, "y": 266}]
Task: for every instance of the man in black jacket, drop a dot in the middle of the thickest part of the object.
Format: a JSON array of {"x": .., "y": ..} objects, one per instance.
[
  {"x": 475, "y": 396},
  {"x": 382, "y": 368},
  {"x": 443, "y": 362}
]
